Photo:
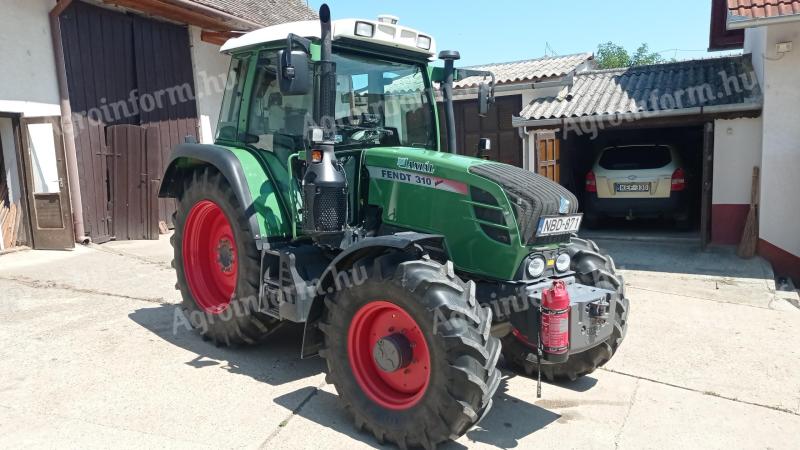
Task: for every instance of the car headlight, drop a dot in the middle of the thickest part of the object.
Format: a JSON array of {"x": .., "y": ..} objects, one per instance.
[
  {"x": 536, "y": 266},
  {"x": 562, "y": 262}
]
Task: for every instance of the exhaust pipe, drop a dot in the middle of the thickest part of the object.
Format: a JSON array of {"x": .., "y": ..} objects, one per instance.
[
  {"x": 327, "y": 96},
  {"x": 324, "y": 183},
  {"x": 449, "y": 57}
]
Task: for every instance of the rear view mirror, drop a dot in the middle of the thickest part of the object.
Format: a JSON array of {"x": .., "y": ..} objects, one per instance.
[
  {"x": 484, "y": 94},
  {"x": 294, "y": 74},
  {"x": 484, "y": 146}
]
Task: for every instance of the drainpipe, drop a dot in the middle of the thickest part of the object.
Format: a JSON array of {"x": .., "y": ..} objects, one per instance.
[
  {"x": 73, "y": 182},
  {"x": 526, "y": 157}
]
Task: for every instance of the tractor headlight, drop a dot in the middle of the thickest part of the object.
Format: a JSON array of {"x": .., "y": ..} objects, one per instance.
[
  {"x": 536, "y": 266},
  {"x": 365, "y": 29},
  {"x": 424, "y": 42},
  {"x": 562, "y": 262}
]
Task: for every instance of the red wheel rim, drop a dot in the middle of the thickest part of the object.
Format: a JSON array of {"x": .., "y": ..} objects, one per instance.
[
  {"x": 397, "y": 390},
  {"x": 209, "y": 257}
]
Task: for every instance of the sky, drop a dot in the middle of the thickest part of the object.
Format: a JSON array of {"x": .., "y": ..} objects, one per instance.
[{"x": 503, "y": 30}]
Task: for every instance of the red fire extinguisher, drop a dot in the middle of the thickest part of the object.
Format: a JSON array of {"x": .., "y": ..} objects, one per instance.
[{"x": 554, "y": 333}]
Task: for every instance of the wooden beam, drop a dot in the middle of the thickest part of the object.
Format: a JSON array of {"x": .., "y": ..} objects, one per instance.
[
  {"x": 174, "y": 13},
  {"x": 218, "y": 37},
  {"x": 60, "y": 7}
]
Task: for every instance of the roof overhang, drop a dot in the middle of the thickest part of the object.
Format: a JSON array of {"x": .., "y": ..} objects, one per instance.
[
  {"x": 739, "y": 23},
  {"x": 720, "y": 37},
  {"x": 622, "y": 118},
  {"x": 191, "y": 13}
]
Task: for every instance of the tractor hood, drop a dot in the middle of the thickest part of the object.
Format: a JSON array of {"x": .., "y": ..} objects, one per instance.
[{"x": 483, "y": 208}]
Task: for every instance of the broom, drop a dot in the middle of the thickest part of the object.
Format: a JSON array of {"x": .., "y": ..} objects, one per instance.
[{"x": 747, "y": 247}]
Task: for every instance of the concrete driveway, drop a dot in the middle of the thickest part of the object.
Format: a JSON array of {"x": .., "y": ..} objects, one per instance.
[{"x": 92, "y": 359}]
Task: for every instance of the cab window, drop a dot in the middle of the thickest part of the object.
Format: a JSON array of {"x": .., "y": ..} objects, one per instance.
[
  {"x": 232, "y": 98},
  {"x": 276, "y": 122}
]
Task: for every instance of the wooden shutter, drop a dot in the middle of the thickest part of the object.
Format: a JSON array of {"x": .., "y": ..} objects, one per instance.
[{"x": 548, "y": 155}]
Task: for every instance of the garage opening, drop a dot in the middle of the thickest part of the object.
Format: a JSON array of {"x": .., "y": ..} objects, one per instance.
[
  {"x": 643, "y": 182},
  {"x": 637, "y": 181}
]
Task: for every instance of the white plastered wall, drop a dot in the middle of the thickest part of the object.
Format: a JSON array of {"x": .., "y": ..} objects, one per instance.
[
  {"x": 210, "y": 69},
  {"x": 28, "y": 82},
  {"x": 780, "y": 185},
  {"x": 737, "y": 149}
]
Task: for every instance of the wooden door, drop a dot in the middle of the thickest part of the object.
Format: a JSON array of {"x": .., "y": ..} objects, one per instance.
[
  {"x": 48, "y": 196},
  {"x": 471, "y": 127},
  {"x": 548, "y": 155},
  {"x": 134, "y": 193}
]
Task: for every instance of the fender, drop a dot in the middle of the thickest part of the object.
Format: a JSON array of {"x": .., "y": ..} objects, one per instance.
[
  {"x": 188, "y": 156},
  {"x": 434, "y": 244}
]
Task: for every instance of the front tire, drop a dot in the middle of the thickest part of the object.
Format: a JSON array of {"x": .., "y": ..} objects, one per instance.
[
  {"x": 592, "y": 269},
  {"x": 450, "y": 375},
  {"x": 217, "y": 263}
]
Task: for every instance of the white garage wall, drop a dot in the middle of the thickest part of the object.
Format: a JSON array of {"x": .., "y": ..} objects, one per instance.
[
  {"x": 211, "y": 69},
  {"x": 754, "y": 43},
  {"x": 28, "y": 82},
  {"x": 737, "y": 149},
  {"x": 780, "y": 213}
]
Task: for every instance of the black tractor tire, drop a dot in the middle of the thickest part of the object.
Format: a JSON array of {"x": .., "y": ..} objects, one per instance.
[
  {"x": 592, "y": 269},
  {"x": 241, "y": 322},
  {"x": 463, "y": 376}
]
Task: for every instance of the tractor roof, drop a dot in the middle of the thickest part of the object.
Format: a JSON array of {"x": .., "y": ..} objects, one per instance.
[{"x": 385, "y": 31}]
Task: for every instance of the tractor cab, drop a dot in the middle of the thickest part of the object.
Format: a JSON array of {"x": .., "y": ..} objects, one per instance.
[{"x": 382, "y": 92}]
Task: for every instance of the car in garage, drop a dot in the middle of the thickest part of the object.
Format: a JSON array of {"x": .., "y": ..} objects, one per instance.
[{"x": 637, "y": 181}]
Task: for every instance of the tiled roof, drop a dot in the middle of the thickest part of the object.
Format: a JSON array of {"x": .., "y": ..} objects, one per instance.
[
  {"x": 528, "y": 70},
  {"x": 661, "y": 87},
  {"x": 263, "y": 12},
  {"x": 758, "y": 9}
]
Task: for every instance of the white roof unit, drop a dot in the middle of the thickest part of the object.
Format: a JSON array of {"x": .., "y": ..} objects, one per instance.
[{"x": 381, "y": 32}]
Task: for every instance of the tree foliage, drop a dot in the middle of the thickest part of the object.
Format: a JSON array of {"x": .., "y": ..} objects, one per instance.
[{"x": 612, "y": 56}]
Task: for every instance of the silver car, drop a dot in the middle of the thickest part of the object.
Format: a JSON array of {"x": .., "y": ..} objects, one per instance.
[{"x": 637, "y": 181}]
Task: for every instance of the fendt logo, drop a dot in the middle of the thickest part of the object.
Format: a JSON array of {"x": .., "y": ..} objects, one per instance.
[{"x": 405, "y": 163}]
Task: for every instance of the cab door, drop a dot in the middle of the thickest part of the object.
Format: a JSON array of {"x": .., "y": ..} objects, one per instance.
[{"x": 46, "y": 181}]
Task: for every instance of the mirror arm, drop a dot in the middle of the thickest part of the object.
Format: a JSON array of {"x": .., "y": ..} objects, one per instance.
[
  {"x": 293, "y": 40},
  {"x": 465, "y": 73}
]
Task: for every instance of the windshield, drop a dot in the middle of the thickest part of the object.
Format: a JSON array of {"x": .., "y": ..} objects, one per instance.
[
  {"x": 382, "y": 103},
  {"x": 378, "y": 103}
]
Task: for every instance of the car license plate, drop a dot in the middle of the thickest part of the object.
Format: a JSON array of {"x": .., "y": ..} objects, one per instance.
[
  {"x": 632, "y": 187},
  {"x": 549, "y": 226}
]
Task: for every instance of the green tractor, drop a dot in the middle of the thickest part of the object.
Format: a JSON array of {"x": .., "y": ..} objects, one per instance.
[{"x": 328, "y": 200}]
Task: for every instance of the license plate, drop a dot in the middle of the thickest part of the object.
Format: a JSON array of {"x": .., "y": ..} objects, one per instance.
[
  {"x": 632, "y": 187},
  {"x": 559, "y": 225}
]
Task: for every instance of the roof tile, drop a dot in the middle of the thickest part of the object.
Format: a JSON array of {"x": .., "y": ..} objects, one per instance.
[
  {"x": 528, "y": 70},
  {"x": 263, "y": 12},
  {"x": 674, "y": 86},
  {"x": 757, "y": 9}
]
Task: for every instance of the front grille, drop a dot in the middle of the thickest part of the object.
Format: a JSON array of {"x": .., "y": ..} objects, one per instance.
[
  {"x": 533, "y": 196},
  {"x": 489, "y": 214}
]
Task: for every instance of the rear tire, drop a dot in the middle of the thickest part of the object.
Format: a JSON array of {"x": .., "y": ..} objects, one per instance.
[
  {"x": 449, "y": 338},
  {"x": 592, "y": 269},
  {"x": 217, "y": 263}
]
